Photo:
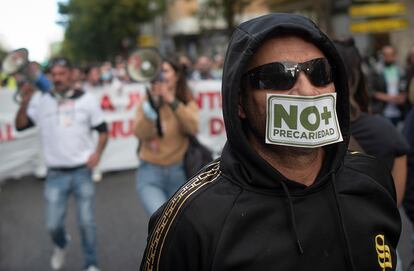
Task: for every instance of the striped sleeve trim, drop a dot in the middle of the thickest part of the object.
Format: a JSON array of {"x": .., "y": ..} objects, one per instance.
[{"x": 159, "y": 234}]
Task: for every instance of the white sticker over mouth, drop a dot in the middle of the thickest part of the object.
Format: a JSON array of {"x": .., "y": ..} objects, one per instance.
[{"x": 302, "y": 121}]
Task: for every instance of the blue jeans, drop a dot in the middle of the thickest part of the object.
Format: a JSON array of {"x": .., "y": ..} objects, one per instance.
[
  {"x": 156, "y": 184},
  {"x": 59, "y": 185}
]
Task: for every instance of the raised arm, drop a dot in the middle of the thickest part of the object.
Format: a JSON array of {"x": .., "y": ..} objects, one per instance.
[
  {"x": 187, "y": 115},
  {"x": 22, "y": 120},
  {"x": 144, "y": 126}
]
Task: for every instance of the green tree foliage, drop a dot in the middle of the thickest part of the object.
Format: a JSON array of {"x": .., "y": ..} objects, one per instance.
[
  {"x": 2, "y": 53},
  {"x": 211, "y": 10},
  {"x": 97, "y": 30}
]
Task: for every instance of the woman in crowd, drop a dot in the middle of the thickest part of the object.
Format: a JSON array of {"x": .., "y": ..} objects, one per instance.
[{"x": 164, "y": 120}]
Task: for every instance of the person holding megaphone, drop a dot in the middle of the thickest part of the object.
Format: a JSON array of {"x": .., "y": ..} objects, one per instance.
[
  {"x": 163, "y": 122},
  {"x": 66, "y": 117},
  {"x": 16, "y": 64}
]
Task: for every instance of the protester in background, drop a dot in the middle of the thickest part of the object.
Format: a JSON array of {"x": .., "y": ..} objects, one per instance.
[
  {"x": 278, "y": 199},
  {"x": 408, "y": 202},
  {"x": 187, "y": 65},
  {"x": 377, "y": 136},
  {"x": 65, "y": 117},
  {"x": 163, "y": 122},
  {"x": 78, "y": 77},
  {"x": 218, "y": 62},
  {"x": 106, "y": 72},
  {"x": 107, "y": 76},
  {"x": 374, "y": 134},
  {"x": 409, "y": 72},
  {"x": 409, "y": 132},
  {"x": 93, "y": 77},
  {"x": 203, "y": 69},
  {"x": 120, "y": 72},
  {"x": 388, "y": 85}
]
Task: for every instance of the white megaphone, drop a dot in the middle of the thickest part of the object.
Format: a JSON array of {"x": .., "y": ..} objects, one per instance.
[
  {"x": 15, "y": 61},
  {"x": 17, "y": 64},
  {"x": 144, "y": 65}
]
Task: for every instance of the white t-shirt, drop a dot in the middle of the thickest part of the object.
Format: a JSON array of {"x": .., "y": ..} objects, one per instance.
[{"x": 66, "y": 127}]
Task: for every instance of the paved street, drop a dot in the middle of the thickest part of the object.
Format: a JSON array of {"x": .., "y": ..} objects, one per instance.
[{"x": 121, "y": 221}]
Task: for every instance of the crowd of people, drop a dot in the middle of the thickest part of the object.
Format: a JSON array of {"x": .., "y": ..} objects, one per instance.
[
  {"x": 65, "y": 114},
  {"x": 267, "y": 188},
  {"x": 115, "y": 72}
]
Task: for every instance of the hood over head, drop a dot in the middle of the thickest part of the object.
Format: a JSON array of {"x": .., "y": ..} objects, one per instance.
[{"x": 246, "y": 39}]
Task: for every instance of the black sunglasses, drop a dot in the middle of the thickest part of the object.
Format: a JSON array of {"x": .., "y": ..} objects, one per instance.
[{"x": 283, "y": 75}]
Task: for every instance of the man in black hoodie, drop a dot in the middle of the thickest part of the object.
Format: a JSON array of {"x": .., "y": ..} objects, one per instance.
[{"x": 285, "y": 194}]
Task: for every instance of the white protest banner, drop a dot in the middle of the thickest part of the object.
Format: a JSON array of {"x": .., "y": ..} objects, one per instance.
[
  {"x": 20, "y": 152},
  {"x": 212, "y": 131},
  {"x": 119, "y": 106}
]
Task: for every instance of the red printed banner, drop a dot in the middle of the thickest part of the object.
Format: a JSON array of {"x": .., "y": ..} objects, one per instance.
[{"x": 6, "y": 132}]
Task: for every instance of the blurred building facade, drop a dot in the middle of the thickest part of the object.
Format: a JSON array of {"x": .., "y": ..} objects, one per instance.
[{"x": 184, "y": 30}]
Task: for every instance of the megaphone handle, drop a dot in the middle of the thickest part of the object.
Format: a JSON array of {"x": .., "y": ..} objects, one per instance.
[
  {"x": 17, "y": 96},
  {"x": 157, "y": 110},
  {"x": 150, "y": 99},
  {"x": 158, "y": 124}
]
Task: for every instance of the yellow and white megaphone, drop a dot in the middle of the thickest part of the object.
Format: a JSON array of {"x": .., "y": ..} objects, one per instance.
[
  {"x": 144, "y": 65},
  {"x": 17, "y": 64}
]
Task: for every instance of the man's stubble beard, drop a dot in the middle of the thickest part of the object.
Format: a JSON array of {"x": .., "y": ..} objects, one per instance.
[
  {"x": 61, "y": 88},
  {"x": 256, "y": 133}
]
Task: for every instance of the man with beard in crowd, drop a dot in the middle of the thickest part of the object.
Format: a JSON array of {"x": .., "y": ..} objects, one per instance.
[{"x": 66, "y": 117}]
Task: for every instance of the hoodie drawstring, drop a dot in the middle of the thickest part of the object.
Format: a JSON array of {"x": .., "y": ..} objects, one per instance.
[
  {"x": 292, "y": 217},
  {"x": 338, "y": 207},
  {"x": 342, "y": 223}
]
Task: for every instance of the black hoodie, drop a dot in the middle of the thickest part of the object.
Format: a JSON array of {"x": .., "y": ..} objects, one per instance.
[{"x": 240, "y": 213}]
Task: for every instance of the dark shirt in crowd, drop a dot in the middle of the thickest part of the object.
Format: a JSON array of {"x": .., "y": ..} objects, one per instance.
[{"x": 378, "y": 137}]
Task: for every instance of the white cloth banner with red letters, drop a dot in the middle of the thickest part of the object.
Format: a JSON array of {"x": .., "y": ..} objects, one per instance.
[{"x": 20, "y": 152}]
